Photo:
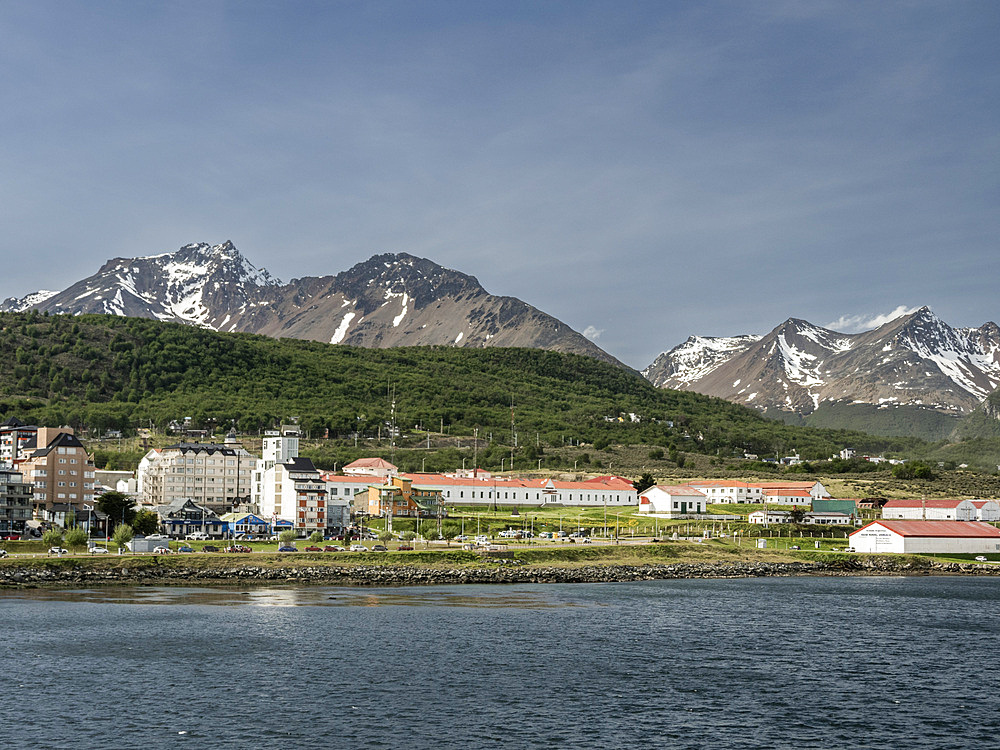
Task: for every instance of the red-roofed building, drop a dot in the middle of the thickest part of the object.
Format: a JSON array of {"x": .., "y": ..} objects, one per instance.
[
  {"x": 935, "y": 537},
  {"x": 507, "y": 491},
  {"x": 930, "y": 509},
  {"x": 371, "y": 467},
  {"x": 672, "y": 501}
]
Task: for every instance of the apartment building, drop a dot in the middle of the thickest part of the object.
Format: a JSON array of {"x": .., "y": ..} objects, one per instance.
[
  {"x": 16, "y": 498},
  {"x": 216, "y": 476},
  {"x": 59, "y": 469},
  {"x": 15, "y": 437}
]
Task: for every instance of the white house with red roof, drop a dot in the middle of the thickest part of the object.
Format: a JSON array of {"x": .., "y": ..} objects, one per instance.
[
  {"x": 726, "y": 491},
  {"x": 669, "y": 501},
  {"x": 930, "y": 509},
  {"x": 500, "y": 490},
  {"x": 371, "y": 467},
  {"x": 792, "y": 493},
  {"x": 934, "y": 537}
]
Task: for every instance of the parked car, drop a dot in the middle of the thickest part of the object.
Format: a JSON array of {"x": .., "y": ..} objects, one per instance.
[
  {"x": 980, "y": 558},
  {"x": 161, "y": 550},
  {"x": 379, "y": 548},
  {"x": 11, "y": 537},
  {"x": 157, "y": 536},
  {"x": 183, "y": 548},
  {"x": 405, "y": 548},
  {"x": 238, "y": 548},
  {"x": 313, "y": 548},
  {"x": 287, "y": 549},
  {"x": 333, "y": 548},
  {"x": 209, "y": 548},
  {"x": 198, "y": 536},
  {"x": 98, "y": 550},
  {"x": 358, "y": 548},
  {"x": 58, "y": 551}
]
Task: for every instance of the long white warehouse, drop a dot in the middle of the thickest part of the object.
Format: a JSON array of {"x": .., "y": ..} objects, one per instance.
[{"x": 935, "y": 537}]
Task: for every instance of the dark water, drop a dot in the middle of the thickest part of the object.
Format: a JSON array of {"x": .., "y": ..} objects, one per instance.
[{"x": 782, "y": 663}]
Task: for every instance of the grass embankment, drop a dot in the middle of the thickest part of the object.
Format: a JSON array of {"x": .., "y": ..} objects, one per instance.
[{"x": 631, "y": 554}]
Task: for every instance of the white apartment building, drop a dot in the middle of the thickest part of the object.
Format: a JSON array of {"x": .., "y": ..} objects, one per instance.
[{"x": 216, "y": 476}]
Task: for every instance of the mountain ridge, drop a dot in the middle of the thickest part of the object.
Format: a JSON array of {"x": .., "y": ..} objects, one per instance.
[
  {"x": 391, "y": 299},
  {"x": 916, "y": 360}
]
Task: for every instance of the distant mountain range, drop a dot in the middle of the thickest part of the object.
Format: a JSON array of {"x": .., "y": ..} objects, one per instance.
[
  {"x": 916, "y": 361},
  {"x": 912, "y": 375},
  {"x": 388, "y": 300}
]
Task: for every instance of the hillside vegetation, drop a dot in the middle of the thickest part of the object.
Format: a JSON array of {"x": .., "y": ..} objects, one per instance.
[{"x": 106, "y": 371}]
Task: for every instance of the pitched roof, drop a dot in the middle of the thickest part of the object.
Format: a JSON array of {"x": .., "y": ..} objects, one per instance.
[
  {"x": 948, "y": 529},
  {"x": 676, "y": 489},
  {"x": 370, "y": 463},
  {"x": 932, "y": 502},
  {"x": 718, "y": 483}
]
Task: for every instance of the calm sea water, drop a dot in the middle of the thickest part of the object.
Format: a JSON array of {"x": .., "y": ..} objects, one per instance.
[{"x": 779, "y": 663}]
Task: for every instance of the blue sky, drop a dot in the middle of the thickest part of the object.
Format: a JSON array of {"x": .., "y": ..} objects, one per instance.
[{"x": 642, "y": 171}]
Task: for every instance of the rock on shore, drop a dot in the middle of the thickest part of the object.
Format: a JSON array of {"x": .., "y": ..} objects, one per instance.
[{"x": 408, "y": 575}]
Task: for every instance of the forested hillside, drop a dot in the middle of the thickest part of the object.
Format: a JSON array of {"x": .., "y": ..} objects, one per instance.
[{"x": 107, "y": 371}]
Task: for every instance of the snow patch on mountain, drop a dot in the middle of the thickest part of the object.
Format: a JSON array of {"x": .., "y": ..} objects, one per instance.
[{"x": 697, "y": 357}]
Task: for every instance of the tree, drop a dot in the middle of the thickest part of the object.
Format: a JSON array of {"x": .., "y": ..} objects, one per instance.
[
  {"x": 796, "y": 514},
  {"x": 449, "y": 530},
  {"x": 119, "y": 507},
  {"x": 286, "y": 537},
  {"x": 385, "y": 536},
  {"x": 644, "y": 482},
  {"x": 53, "y": 538},
  {"x": 146, "y": 522},
  {"x": 409, "y": 536},
  {"x": 429, "y": 530},
  {"x": 316, "y": 537},
  {"x": 656, "y": 454},
  {"x": 76, "y": 538},
  {"x": 123, "y": 534}
]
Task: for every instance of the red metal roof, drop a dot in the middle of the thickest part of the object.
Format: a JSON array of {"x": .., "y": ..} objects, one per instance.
[{"x": 953, "y": 529}]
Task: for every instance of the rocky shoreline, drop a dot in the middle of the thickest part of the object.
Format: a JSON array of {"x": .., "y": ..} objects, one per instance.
[{"x": 23, "y": 576}]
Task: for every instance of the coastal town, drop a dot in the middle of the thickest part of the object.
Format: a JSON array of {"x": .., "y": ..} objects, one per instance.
[{"x": 221, "y": 492}]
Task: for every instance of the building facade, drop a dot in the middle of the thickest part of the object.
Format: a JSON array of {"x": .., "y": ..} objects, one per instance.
[
  {"x": 930, "y": 509},
  {"x": 216, "y": 476},
  {"x": 928, "y": 537},
  {"x": 16, "y": 502},
  {"x": 59, "y": 469},
  {"x": 672, "y": 501}
]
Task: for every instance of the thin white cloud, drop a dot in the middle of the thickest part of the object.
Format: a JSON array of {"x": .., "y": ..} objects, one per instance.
[
  {"x": 859, "y": 323},
  {"x": 592, "y": 333}
]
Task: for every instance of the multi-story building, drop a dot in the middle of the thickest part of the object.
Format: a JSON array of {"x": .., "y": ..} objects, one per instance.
[
  {"x": 15, "y": 436},
  {"x": 59, "y": 469},
  {"x": 294, "y": 491},
  {"x": 399, "y": 497},
  {"x": 213, "y": 475},
  {"x": 15, "y": 502}
]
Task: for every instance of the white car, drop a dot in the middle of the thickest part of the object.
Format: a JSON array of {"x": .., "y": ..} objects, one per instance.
[
  {"x": 358, "y": 548},
  {"x": 58, "y": 551},
  {"x": 980, "y": 558},
  {"x": 157, "y": 536},
  {"x": 198, "y": 536},
  {"x": 161, "y": 551},
  {"x": 98, "y": 550}
]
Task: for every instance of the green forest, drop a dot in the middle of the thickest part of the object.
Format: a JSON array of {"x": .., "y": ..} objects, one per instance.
[{"x": 102, "y": 372}]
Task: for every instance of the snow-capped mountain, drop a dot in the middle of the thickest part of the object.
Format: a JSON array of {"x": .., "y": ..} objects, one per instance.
[
  {"x": 13, "y": 304},
  {"x": 193, "y": 285},
  {"x": 388, "y": 300},
  {"x": 916, "y": 360}
]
